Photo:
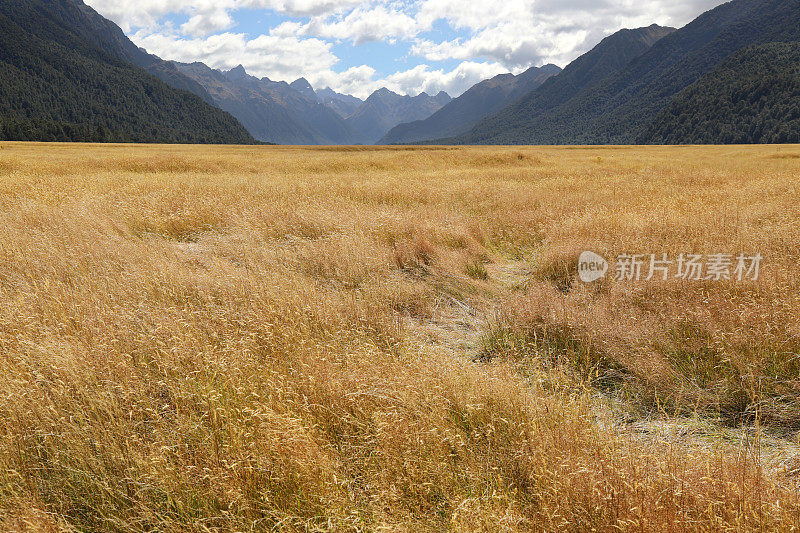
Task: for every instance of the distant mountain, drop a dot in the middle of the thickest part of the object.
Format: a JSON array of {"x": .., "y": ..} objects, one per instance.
[
  {"x": 68, "y": 75},
  {"x": 621, "y": 107},
  {"x": 385, "y": 109},
  {"x": 481, "y": 100},
  {"x": 518, "y": 123},
  {"x": 273, "y": 111},
  {"x": 302, "y": 86},
  {"x": 344, "y": 104},
  {"x": 752, "y": 98}
]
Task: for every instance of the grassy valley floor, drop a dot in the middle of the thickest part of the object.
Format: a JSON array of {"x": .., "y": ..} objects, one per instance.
[{"x": 337, "y": 339}]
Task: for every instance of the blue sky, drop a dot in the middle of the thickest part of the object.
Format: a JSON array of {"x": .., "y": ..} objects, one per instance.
[{"x": 409, "y": 46}]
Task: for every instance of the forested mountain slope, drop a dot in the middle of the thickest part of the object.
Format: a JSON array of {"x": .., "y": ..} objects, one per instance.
[
  {"x": 618, "y": 108},
  {"x": 752, "y": 98},
  {"x": 59, "y": 86}
]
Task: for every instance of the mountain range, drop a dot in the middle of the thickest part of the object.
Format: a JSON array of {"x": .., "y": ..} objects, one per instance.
[
  {"x": 611, "y": 54},
  {"x": 619, "y": 107},
  {"x": 481, "y": 100},
  {"x": 728, "y": 76},
  {"x": 272, "y": 111},
  {"x": 73, "y": 75},
  {"x": 67, "y": 75},
  {"x": 293, "y": 113},
  {"x": 385, "y": 109},
  {"x": 344, "y": 104}
]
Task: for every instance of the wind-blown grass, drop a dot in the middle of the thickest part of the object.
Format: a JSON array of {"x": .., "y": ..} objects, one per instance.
[{"x": 268, "y": 338}]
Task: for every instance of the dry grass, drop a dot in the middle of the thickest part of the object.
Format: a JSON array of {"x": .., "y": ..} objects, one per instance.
[{"x": 267, "y": 338}]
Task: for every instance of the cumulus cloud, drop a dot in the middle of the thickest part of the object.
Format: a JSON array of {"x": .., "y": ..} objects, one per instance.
[
  {"x": 205, "y": 23},
  {"x": 526, "y": 32},
  {"x": 302, "y": 8},
  {"x": 364, "y": 25},
  {"x": 361, "y": 81},
  {"x": 358, "y": 81},
  {"x": 424, "y": 79},
  {"x": 275, "y": 56},
  {"x": 139, "y": 14}
]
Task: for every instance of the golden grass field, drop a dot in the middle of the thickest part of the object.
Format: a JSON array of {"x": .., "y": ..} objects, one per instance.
[{"x": 393, "y": 339}]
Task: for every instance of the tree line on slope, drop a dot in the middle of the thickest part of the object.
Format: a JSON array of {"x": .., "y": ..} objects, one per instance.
[
  {"x": 56, "y": 86},
  {"x": 752, "y": 98}
]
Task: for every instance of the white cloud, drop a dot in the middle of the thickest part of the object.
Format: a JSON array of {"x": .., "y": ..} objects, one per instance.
[
  {"x": 205, "y": 23},
  {"x": 424, "y": 79},
  {"x": 145, "y": 14},
  {"x": 302, "y": 8},
  {"x": 139, "y": 14},
  {"x": 521, "y": 33},
  {"x": 364, "y": 25},
  {"x": 472, "y": 15},
  {"x": 275, "y": 56},
  {"x": 358, "y": 81}
]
